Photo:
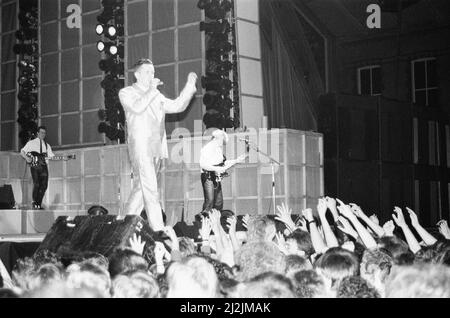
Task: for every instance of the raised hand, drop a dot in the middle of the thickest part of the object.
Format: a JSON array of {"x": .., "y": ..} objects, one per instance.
[
  {"x": 214, "y": 216},
  {"x": 399, "y": 219},
  {"x": 444, "y": 229},
  {"x": 281, "y": 243},
  {"x": 322, "y": 207},
  {"x": 356, "y": 209},
  {"x": 192, "y": 78},
  {"x": 159, "y": 251},
  {"x": 374, "y": 219},
  {"x": 413, "y": 217},
  {"x": 301, "y": 224},
  {"x": 331, "y": 204},
  {"x": 205, "y": 229},
  {"x": 346, "y": 211},
  {"x": 136, "y": 244},
  {"x": 245, "y": 220},
  {"x": 231, "y": 222},
  {"x": 345, "y": 226},
  {"x": 308, "y": 214},
  {"x": 283, "y": 214},
  {"x": 389, "y": 228},
  {"x": 173, "y": 237}
]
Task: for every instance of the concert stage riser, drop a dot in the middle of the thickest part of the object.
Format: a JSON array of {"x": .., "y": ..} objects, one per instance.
[{"x": 102, "y": 175}]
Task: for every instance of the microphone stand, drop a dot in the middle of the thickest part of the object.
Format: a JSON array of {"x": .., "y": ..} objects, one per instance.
[{"x": 272, "y": 163}]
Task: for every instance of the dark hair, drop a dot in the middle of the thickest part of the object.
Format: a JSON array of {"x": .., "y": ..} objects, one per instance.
[
  {"x": 303, "y": 240},
  {"x": 42, "y": 127},
  {"x": 308, "y": 284},
  {"x": 97, "y": 210},
  {"x": 356, "y": 287},
  {"x": 124, "y": 260}
]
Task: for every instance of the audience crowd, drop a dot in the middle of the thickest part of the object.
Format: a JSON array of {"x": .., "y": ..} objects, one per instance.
[{"x": 337, "y": 251}]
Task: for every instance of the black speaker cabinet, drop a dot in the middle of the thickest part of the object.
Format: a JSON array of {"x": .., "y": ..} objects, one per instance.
[
  {"x": 7, "y": 200},
  {"x": 101, "y": 234}
]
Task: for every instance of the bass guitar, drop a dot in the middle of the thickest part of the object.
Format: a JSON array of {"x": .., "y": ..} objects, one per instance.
[{"x": 38, "y": 159}]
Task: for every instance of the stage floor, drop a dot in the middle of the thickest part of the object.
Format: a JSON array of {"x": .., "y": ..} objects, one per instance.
[{"x": 20, "y": 222}]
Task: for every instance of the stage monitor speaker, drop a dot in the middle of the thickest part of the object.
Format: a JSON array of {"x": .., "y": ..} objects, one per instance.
[
  {"x": 70, "y": 237},
  {"x": 7, "y": 200}
]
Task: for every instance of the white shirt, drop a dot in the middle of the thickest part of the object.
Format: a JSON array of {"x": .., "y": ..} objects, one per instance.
[
  {"x": 35, "y": 145},
  {"x": 211, "y": 155}
]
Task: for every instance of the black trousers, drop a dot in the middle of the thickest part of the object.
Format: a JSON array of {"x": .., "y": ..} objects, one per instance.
[
  {"x": 40, "y": 182},
  {"x": 212, "y": 193}
]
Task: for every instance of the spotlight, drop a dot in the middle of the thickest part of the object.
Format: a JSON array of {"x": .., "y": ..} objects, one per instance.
[
  {"x": 28, "y": 49},
  {"x": 213, "y": 82},
  {"x": 215, "y": 27},
  {"x": 106, "y": 15},
  {"x": 221, "y": 68},
  {"x": 111, "y": 32},
  {"x": 113, "y": 49},
  {"x": 26, "y": 34},
  {"x": 99, "y": 29},
  {"x": 217, "y": 101},
  {"x": 116, "y": 50},
  {"x": 101, "y": 46}
]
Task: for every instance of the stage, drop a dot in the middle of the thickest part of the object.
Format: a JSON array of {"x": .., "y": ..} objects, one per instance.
[{"x": 102, "y": 175}]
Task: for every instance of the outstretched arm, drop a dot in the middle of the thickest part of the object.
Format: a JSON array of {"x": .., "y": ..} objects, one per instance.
[
  {"x": 330, "y": 238},
  {"x": 424, "y": 234},
  {"x": 373, "y": 226},
  {"x": 316, "y": 239},
  {"x": 413, "y": 244},
  {"x": 365, "y": 236},
  {"x": 178, "y": 105}
]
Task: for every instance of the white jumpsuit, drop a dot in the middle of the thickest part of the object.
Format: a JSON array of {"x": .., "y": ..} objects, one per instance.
[{"x": 147, "y": 144}]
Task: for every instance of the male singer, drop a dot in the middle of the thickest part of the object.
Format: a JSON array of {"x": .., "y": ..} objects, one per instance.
[{"x": 145, "y": 109}]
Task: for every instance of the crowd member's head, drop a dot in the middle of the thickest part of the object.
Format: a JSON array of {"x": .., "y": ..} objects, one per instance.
[
  {"x": 193, "y": 277},
  {"x": 44, "y": 275},
  {"x": 64, "y": 290},
  {"x": 356, "y": 287},
  {"x": 260, "y": 228},
  {"x": 375, "y": 267},
  {"x": 45, "y": 256},
  {"x": 187, "y": 246},
  {"x": 223, "y": 271},
  {"x": 398, "y": 249},
  {"x": 443, "y": 253},
  {"x": 308, "y": 284},
  {"x": 93, "y": 258},
  {"x": 295, "y": 263},
  {"x": 135, "y": 285},
  {"x": 299, "y": 243},
  {"x": 335, "y": 264},
  {"x": 22, "y": 274},
  {"x": 124, "y": 260},
  {"x": 266, "y": 285},
  {"x": 255, "y": 258},
  {"x": 90, "y": 276},
  {"x": 419, "y": 281}
]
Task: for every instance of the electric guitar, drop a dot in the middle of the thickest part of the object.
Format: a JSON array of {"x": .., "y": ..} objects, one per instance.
[
  {"x": 217, "y": 177},
  {"x": 38, "y": 159}
]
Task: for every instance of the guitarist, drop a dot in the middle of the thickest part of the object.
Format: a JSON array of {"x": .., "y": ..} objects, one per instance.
[
  {"x": 39, "y": 172},
  {"x": 214, "y": 165}
]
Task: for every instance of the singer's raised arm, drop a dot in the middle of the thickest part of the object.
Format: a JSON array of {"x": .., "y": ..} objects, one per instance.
[{"x": 180, "y": 104}]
